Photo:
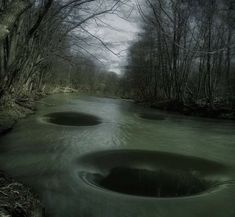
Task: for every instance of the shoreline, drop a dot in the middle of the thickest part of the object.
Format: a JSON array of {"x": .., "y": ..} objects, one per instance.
[
  {"x": 192, "y": 110},
  {"x": 17, "y": 199},
  {"x": 17, "y": 109}
]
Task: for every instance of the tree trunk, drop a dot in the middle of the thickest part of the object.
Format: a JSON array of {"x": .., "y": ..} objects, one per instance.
[{"x": 10, "y": 16}]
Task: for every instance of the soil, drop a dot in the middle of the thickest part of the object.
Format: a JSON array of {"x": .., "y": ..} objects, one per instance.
[{"x": 17, "y": 200}]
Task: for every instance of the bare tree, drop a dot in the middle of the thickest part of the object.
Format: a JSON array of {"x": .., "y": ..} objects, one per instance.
[{"x": 192, "y": 50}]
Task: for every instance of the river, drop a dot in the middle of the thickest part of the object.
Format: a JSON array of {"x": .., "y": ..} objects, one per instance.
[{"x": 46, "y": 156}]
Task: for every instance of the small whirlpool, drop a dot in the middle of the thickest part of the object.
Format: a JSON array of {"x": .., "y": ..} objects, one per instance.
[
  {"x": 149, "y": 174},
  {"x": 72, "y": 119}
]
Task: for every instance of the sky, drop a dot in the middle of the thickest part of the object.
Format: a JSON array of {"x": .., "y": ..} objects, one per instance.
[{"x": 117, "y": 33}]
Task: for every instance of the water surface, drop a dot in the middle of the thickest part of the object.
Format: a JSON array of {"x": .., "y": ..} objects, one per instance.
[{"x": 46, "y": 156}]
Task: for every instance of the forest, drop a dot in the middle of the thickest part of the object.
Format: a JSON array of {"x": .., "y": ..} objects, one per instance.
[
  {"x": 42, "y": 44},
  {"x": 188, "y": 49},
  {"x": 184, "y": 56},
  {"x": 182, "y": 59}
]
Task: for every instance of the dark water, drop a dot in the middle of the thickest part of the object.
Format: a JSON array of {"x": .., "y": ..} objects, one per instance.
[{"x": 50, "y": 158}]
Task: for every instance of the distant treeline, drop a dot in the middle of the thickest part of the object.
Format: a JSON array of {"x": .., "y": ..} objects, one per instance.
[
  {"x": 86, "y": 76},
  {"x": 184, "y": 54}
]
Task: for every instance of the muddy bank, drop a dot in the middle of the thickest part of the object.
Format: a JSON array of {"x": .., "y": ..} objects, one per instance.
[
  {"x": 200, "y": 110},
  {"x": 10, "y": 115},
  {"x": 14, "y": 110},
  {"x": 16, "y": 200},
  {"x": 218, "y": 111}
]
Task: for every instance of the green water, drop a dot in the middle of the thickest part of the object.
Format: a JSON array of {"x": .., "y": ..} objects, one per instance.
[{"x": 45, "y": 156}]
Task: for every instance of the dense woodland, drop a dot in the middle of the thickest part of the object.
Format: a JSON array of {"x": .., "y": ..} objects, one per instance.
[
  {"x": 84, "y": 75},
  {"x": 42, "y": 45},
  {"x": 184, "y": 54}
]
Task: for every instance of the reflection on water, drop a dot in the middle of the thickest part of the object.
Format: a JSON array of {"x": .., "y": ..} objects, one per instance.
[{"x": 44, "y": 156}]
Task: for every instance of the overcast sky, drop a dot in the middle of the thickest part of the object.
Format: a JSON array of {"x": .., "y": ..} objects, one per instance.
[{"x": 117, "y": 33}]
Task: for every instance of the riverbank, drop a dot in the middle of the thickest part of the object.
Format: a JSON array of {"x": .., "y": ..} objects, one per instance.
[
  {"x": 219, "y": 111},
  {"x": 14, "y": 110},
  {"x": 17, "y": 200}
]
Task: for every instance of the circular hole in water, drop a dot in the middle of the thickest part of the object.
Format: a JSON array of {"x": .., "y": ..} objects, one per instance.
[
  {"x": 150, "y": 174},
  {"x": 151, "y": 116},
  {"x": 159, "y": 183},
  {"x": 72, "y": 119}
]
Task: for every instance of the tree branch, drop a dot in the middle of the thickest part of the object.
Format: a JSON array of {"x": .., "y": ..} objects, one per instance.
[{"x": 10, "y": 16}]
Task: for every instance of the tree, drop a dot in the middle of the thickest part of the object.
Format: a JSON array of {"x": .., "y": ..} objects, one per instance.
[
  {"x": 35, "y": 33},
  {"x": 191, "y": 52}
]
